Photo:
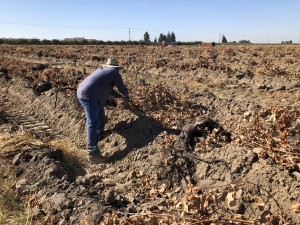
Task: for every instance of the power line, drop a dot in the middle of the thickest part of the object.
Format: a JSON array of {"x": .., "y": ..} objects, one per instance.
[
  {"x": 61, "y": 26},
  {"x": 133, "y": 28},
  {"x": 93, "y": 27}
]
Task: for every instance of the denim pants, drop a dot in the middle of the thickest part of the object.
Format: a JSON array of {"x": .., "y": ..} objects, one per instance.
[{"x": 95, "y": 121}]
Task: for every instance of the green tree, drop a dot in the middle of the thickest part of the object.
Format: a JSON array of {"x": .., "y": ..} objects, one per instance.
[
  {"x": 56, "y": 42},
  {"x": 93, "y": 42},
  {"x": 155, "y": 40},
  {"x": 224, "y": 40},
  {"x": 146, "y": 37},
  {"x": 244, "y": 42},
  {"x": 34, "y": 41},
  {"x": 46, "y": 42},
  {"x": 84, "y": 42},
  {"x": 168, "y": 39},
  {"x": 165, "y": 37},
  {"x": 161, "y": 38},
  {"x": 20, "y": 41},
  {"x": 172, "y": 37}
]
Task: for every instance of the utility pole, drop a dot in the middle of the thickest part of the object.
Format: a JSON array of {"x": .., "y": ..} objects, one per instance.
[{"x": 129, "y": 34}]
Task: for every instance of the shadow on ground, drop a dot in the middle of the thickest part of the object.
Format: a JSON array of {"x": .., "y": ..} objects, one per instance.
[{"x": 138, "y": 134}]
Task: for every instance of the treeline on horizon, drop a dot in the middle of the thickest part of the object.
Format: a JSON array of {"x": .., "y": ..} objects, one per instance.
[{"x": 35, "y": 41}]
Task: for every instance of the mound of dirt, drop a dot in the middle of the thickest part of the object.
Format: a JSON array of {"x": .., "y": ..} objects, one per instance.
[{"x": 153, "y": 178}]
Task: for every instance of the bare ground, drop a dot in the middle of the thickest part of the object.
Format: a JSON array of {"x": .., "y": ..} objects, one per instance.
[{"x": 153, "y": 177}]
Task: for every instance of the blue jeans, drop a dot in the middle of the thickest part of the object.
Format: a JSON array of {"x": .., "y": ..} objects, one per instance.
[{"x": 95, "y": 121}]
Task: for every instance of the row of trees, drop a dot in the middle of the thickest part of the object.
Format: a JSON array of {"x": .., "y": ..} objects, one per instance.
[
  {"x": 23, "y": 41},
  {"x": 85, "y": 42},
  {"x": 224, "y": 41},
  {"x": 169, "y": 38}
]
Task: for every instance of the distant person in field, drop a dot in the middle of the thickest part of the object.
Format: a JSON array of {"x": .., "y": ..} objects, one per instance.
[{"x": 92, "y": 93}]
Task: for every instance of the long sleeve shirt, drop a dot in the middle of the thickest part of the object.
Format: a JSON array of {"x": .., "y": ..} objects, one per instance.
[{"x": 99, "y": 85}]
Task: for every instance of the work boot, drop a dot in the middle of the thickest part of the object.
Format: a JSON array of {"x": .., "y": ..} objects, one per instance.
[{"x": 98, "y": 159}]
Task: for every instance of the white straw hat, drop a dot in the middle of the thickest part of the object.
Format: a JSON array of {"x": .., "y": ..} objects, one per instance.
[{"x": 112, "y": 62}]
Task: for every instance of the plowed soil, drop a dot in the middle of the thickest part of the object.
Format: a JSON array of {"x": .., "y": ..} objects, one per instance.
[{"x": 212, "y": 135}]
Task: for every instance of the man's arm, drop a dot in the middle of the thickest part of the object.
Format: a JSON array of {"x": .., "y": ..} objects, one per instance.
[
  {"x": 116, "y": 94},
  {"x": 120, "y": 85}
]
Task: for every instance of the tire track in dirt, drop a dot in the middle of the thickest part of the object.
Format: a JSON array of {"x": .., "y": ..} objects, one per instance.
[{"x": 26, "y": 122}]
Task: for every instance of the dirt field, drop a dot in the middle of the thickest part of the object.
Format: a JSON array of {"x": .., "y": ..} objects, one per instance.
[{"x": 212, "y": 136}]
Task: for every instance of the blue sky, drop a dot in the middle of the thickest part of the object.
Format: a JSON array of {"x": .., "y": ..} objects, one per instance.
[{"x": 261, "y": 21}]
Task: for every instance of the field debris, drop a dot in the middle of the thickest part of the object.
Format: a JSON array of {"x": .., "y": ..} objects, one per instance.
[
  {"x": 208, "y": 129},
  {"x": 211, "y": 135}
]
